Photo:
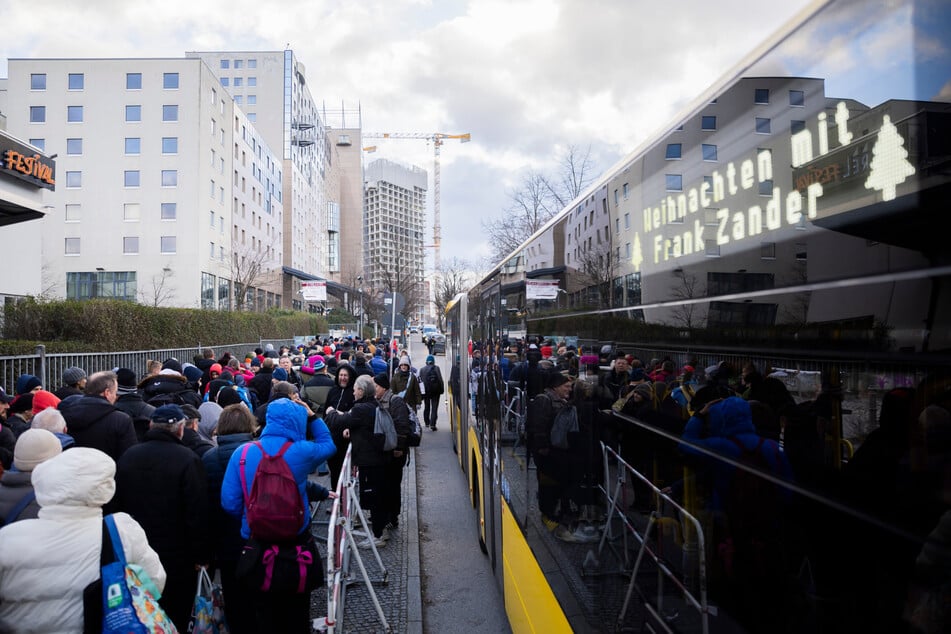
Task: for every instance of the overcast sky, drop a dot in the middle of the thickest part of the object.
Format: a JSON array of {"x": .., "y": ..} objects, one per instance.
[{"x": 525, "y": 78}]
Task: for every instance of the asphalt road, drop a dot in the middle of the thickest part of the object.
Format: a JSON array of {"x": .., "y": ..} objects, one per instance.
[{"x": 459, "y": 592}]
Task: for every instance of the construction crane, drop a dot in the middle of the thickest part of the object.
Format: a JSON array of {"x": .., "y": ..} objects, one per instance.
[{"x": 437, "y": 139}]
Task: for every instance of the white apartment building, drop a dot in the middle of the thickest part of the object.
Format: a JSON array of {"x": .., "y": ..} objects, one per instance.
[
  {"x": 147, "y": 179},
  {"x": 395, "y": 211},
  {"x": 271, "y": 87}
]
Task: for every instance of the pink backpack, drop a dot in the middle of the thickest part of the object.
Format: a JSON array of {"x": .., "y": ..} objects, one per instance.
[{"x": 274, "y": 506}]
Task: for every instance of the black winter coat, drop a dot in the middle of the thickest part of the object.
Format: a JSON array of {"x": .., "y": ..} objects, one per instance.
[
  {"x": 138, "y": 410},
  {"x": 163, "y": 486},
  {"x": 7, "y": 443},
  {"x": 173, "y": 385},
  {"x": 360, "y": 421},
  {"x": 225, "y": 527},
  {"x": 261, "y": 385},
  {"x": 94, "y": 422}
]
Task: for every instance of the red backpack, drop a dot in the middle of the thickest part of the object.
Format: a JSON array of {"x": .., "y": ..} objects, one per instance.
[{"x": 274, "y": 506}]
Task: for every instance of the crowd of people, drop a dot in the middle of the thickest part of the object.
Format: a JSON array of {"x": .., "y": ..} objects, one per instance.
[
  {"x": 761, "y": 535},
  {"x": 172, "y": 454}
]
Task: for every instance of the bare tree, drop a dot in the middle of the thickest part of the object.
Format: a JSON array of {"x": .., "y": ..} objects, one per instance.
[
  {"x": 252, "y": 266},
  {"x": 796, "y": 311},
  {"x": 685, "y": 288},
  {"x": 160, "y": 290},
  {"x": 453, "y": 278},
  {"x": 575, "y": 173},
  {"x": 403, "y": 279},
  {"x": 598, "y": 268}
]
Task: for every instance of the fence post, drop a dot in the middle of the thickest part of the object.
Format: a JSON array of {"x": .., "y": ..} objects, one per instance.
[{"x": 40, "y": 351}]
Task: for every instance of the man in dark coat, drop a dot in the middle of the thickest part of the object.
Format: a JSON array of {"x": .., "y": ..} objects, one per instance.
[
  {"x": 94, "y": 421},
  {"x": 162, "y": 484},
  {"x": 131, "y": 402}
]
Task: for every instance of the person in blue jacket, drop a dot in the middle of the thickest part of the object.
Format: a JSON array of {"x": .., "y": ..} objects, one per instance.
[{"x": 287, "y": 419}]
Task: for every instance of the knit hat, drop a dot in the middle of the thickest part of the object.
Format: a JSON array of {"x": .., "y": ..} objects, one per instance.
[
  {"x": 172, "y": 364},
  {"x": 404, "y": 360},
  {"x": 215, "y": 367},
  {"x": 192, "y": 372},
  {"x": 26, "y": 383},
  {"x": 33, "y": 447},
  {"x": 256, "y": 362},
  {"x": 589, "y": 359},
  {"x": 557, "y": 380},
  {"x": 22, "y": 403},
  {"x": 73, "y": 375},
  {"x": 228, "y": 396},
  {"x": 4, "y": 397},
  {"x": 317, "y": 363},
  {"x": 44, "y": 399},
  {"x": 167, "y": 415},
  {"x": 637, "y": 374},
  {"x": 126, "y": 379},
  {"x": 382, "y": 379},
  {"x": 279, "y": 374},
  {"x": 430, "y": 359},
  {"x": 644, "y": 390}
]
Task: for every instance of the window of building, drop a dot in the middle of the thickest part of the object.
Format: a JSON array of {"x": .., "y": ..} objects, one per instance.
[
  {"x": 131, "y": 212},
  {"x": 767, "y": 251},
  {"x": 252, "y": 82},
  {"x": 133, "y": 81},
  {"x": 39, "y": 144},
  {"x": 252, "y": 117},
  {"x": 708, "y": 151},
  {"x": 252, "y": 100},
  {"x": 627, "y": 221},
  {"x": 74, "y": 179},
  {"x": 761, "y": 96},
  {"x": 711, "y": 248},
  {"x": 674, "y": 182},
  {"x": 238, "y": 64},
  {"x": 252, "y": 63},
  {"x": 708, "y": 122},
  {"x": 169, "y": 145},
  {"x": 239, "y": 100},
  {"x": 710, "y": 216},
  {"x": 73, "y": 213},
  {"x": 74, "y": 146},
  {"x": 37, "y": 114},
  {"x": 131, "y": 178},
  {"x": 796, "y": 126},
  {"x": 170, "y": 81},
  {"x": 226, "y": 63},
  {"x": 797, "y": 98},
  {"x": 169, "y": 211},
  {"x": 763, "y": 125},
  {"x": 169, "y": 113},
  {"x": 801, "y": 254},
  {"x": 625, "y": 189},
  {"x": 167, "y": 244},
  {"x": 238, "y": 82},
  {"x": 130, "y": 245},
  {"x": 72, "y": 246},
  {"x": 674, "y": 151},
  {"x": 77, "y": 81},
  {"x": 766, "y": 187},
  {"x": 133, "y": 145},
  {"x": 225, "y": 82},
  {"x": 169, "y": 178},
  {"x": 37, "y": 81},
  {"x": 92, "y": 284},
  {"x": 74, "y": 114},
  {"x": 617, "y": 228},
  {"x": 133, "y": 113}
]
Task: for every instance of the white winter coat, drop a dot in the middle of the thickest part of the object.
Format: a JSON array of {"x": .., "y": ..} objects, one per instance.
[{"x": 45, "y": 563}]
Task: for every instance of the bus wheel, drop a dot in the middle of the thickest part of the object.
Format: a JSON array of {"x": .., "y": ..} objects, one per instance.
[{"x": 475, "y": 503}]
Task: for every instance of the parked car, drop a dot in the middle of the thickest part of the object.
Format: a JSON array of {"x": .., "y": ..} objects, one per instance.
[{"x": 439, "y": 343}]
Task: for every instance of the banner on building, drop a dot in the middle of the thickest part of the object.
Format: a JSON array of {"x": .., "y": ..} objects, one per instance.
[
  {"x": 541, "y": 289},
  {"x": 314, "y": 291}
]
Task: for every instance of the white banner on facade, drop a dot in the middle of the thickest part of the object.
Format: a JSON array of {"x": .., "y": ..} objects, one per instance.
[
  {"x": 314, "y": 291},
  {"x": 541, "y": 289}
]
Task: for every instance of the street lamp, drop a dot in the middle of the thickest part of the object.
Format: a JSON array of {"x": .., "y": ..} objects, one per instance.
[{"x": 360, "y": 318}]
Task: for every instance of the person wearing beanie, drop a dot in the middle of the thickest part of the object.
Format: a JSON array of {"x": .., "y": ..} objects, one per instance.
[
  {"x": 431, "y": 381},
  {"x": 47, "y": 563},
  {"x": 130, "y": 401},
  {"x": 74, "y": 382},
  {"x": 51, "y": 419},
  {"x": 405, "y": 383},
  {"x": 360, "y": 364},
  {"x": 162, "y": 484},
  {"x": 16, "y": 491},
  {"x": 172, "y": 364},
  {"x": 20, "y": 413},
  {"x": 279, "y": 374},
  {"x": 193, "y": 374},
  {"x": 43, "y": 399},
  {"x": 27, "y": 383}
]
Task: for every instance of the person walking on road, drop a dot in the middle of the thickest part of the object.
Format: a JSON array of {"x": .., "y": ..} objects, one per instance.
[{"x": 430, "y": 377}]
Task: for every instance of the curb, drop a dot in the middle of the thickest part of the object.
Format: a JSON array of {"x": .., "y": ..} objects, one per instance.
[{"x": 414, "y": 596}]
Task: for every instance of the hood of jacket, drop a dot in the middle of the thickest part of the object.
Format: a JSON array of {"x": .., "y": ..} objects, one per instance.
[
  {"x": 163, "y": 383},
  {"x": 730, "y": 417},
  {"x": 286, "y": 419},
  {"x": 86, "y": 410},
  {"x": 79, "y": 477}
]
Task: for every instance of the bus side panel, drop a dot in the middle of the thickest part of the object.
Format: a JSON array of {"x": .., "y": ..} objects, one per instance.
[
  {"x": 529, "y": 602},
  {"x": 476, "y": 492}
]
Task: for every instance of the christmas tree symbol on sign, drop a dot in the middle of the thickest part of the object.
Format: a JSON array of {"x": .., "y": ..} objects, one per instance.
[
  {"x": 889, "y": 165},
  {"x": 637, "y": 256}
]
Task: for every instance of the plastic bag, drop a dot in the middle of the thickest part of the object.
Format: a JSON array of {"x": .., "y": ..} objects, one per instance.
[{"x": 208, "y": 611}]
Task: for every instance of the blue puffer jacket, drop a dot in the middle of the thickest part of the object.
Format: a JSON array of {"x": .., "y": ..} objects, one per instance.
[{"x": 286, "y": 420}]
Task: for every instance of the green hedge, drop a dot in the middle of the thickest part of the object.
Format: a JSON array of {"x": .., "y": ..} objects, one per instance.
[{"x": 107, "y": 325}]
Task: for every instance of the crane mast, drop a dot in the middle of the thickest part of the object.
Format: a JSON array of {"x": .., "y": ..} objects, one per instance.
[{"x": 437, "y": 139}]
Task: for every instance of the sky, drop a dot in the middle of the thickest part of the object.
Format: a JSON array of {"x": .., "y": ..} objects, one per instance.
[{"x": 526, "y": 78}]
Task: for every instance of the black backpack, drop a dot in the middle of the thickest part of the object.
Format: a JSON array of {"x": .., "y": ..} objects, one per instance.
[{"x": 434, "y": 386}]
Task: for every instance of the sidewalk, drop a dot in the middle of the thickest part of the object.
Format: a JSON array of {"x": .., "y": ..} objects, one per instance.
[{"x": 400, "y": 596}]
